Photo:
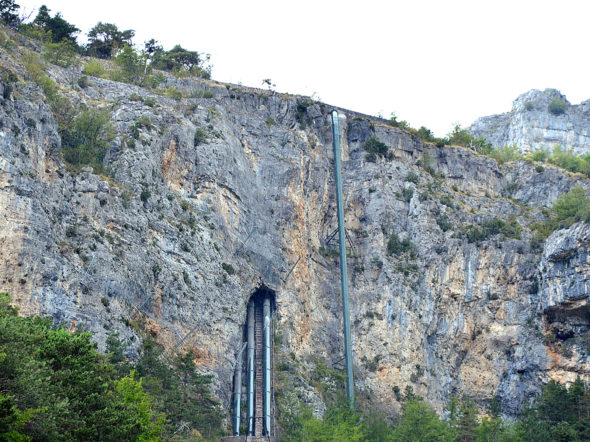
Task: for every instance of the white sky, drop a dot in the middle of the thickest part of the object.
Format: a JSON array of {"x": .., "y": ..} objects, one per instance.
[{"x": 432, "y": 62}]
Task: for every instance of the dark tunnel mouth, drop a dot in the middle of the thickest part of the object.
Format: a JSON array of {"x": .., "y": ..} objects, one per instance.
[{"x": 261, "y": 293}]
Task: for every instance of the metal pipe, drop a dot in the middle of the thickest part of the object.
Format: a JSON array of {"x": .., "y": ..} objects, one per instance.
[
  {"x": 238, "y": 391},
  {"x": 343, "y": 273},
  {"x": 251, "y": 369},
  {"x": 266, "y": 315}
]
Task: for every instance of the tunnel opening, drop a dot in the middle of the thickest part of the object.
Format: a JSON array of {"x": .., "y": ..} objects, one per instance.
[{"x": 253, "y": 378}]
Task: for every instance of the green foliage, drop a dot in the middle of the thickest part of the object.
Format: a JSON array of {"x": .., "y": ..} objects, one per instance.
[
  {"x": 173, "y": 93},
  {"x": 200, "y": 136},
  {"x": 420, "y": 423},
  {"x": 9, "y": 12},
  {"x": 572, "y": 207},
  {"x": 62, "y": 53},
  {"x": 557, "y": 106},
  {"x": 412, "y": 178},
  {"x": 393, "y": 121},
  {"x": 132, "y": 66},
  {"x": 104, "y": 39},
  {"x": 375, "y": 147},
  {"x": 56, "y": 386},
  {"x": 58, "y": 29},
  {"x": 145, "y": 194},
  {"x": 506, "y": 153},
  {"x": 180, "y": 391},
  {"x": 491, "y": 227},
  {"x": 397, "y": 246},
  {"x": 228, "y": 268},
  {"x": 181, "y": 61},
  {"x": 426, "y": 134},
  {"x": 461, "y": 137},
  {"x": 560, "y": 413},
  {"x": 86, "y": 141},
  {"x": 94, "y": 68},
  {"x": 444, "y": 223}
]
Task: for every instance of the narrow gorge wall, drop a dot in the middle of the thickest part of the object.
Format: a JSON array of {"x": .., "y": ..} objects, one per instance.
[{"x": 181, "y": 230}]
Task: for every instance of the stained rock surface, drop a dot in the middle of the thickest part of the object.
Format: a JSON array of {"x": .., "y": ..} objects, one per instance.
[{"x": 179, "y": 231}]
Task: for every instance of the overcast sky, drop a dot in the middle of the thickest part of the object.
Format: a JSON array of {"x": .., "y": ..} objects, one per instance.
[{"x": 432, "y": 62}]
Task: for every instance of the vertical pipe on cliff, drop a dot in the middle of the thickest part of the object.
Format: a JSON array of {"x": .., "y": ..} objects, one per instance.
[
  {"x": 250, "y": 321},
  {"x": 238, "y": 391},
  {"x": 343, "y": 273},
  {"x": 266, "y": 316}
]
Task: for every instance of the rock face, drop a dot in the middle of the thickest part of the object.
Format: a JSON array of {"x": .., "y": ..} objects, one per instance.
[
  {"x": 532, "y": 126},
  {"x": 183, "y": 229}
]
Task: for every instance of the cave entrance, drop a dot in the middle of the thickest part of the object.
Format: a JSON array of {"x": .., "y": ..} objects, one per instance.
[{"x": 258, "y": 368}]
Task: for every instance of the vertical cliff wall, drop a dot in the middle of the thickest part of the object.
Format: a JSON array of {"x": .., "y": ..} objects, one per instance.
[{"x": 180, "y": 230}]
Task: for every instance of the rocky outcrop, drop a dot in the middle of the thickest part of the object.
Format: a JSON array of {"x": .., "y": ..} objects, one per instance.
[
  {"x": 532, "y": 126},
  {"x": 177, "y": 234}
]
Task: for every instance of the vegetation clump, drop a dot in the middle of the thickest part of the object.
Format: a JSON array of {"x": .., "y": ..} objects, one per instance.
[
  {"x": 557, "y": 106},
  {"x": 492, "y": 227},
  {"x": 397, "y": 246},
  {"x": 374, "y": 148},
  {"x": 56, "y": 386}
]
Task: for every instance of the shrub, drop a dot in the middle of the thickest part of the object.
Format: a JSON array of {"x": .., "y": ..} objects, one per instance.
[
  {"x": 145, "y": 194},
  {"x": 506, "y": 153},
  {"x": 412, "y": 178},
  {"x": 64, "y": 388},
  {"x": 87, "y": 140},
  {"x": 396, "y": 246},
  {"x": 375, "y": 147},
  {"x": 83, "y": 82},
  {"x": 529, "y": 106},
  {"x": 571, "y": 207},
  {"x": 444, "y": 223},
  {"x": 200, "y": 136},
  {"x": 407, "y": 194},
  {"x": 62, "y": 53},
  {"x": 228, "y": 268},
  {"x": 94, "y": 68},
  {"x": 557, "y": 106},
  {"x": 132, "y": 66},
  {"x": 173, "y": 93},
  {"x": 494, "y": 226},
  {"x": 537, "y": 155},
  {"x": 426, "y": 134}
]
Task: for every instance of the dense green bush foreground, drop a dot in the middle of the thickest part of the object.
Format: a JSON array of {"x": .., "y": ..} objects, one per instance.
[
  {"x": 559, "y": 414},
  {"x": 55, "y": 385}
]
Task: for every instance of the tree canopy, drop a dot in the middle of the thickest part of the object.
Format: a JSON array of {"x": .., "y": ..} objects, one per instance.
[
  {"x": 59, "y": 28},
  {"x": 105, "y": 38}
]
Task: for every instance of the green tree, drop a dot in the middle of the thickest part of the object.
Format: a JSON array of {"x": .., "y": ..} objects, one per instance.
[
  {"x": 58, "y": 28},
  {"x": 133, "y": 66},
  {"x": 56, "y": 386},
  {"x": 419, "y": 423},
  {"x": 8, "y": 12},
  {"x": 104, "y": 39},
  {"x": 180, "y": 60}
]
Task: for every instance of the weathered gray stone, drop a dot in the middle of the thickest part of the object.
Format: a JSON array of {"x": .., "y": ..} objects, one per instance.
[{"x": 531, "y": 126}]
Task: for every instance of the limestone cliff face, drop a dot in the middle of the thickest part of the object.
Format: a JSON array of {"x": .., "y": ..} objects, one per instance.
[
  {"x": 180, "y": 233},
  {"x": 531, "y": 126}
]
